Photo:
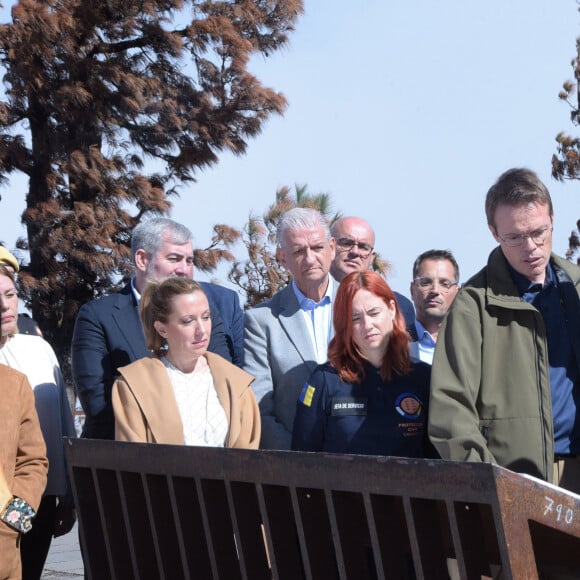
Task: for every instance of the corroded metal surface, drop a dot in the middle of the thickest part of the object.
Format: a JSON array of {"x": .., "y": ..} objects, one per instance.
[{"x": 160, "y": 511}]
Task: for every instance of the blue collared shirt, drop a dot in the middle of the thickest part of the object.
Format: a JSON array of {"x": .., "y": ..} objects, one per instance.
[
  {"x": 424, "y": 347},
  {"x": 563, "y": 372},
  {"x": 318, "y": 316},
  {"x": 135, "y": 291}
]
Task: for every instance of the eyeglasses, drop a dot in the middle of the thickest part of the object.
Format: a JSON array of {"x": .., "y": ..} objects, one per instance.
[
  {"x": 346, "y": 245},
  {"x": 537, "y": 236},
  {"x": 425, "y": 283}
]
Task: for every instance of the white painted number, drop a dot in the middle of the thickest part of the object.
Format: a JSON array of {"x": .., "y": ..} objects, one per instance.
[{"x": 561, "y": 513}]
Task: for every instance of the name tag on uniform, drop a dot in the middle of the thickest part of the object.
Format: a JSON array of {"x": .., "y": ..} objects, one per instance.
[{"x": 349, "y": 406}]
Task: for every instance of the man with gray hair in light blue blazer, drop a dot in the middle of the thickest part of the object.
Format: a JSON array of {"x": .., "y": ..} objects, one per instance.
[{"x": 287, "y": 336}]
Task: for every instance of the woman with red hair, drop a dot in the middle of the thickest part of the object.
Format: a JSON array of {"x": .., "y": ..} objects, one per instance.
[{"x": 369, "y": 398}]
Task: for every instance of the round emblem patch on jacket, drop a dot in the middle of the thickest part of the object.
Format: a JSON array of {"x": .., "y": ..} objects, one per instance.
[{"x": 409, "y": 405}]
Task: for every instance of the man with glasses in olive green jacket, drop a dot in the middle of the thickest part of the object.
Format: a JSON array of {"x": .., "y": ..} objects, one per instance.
[{"x": 506, "y": 369}]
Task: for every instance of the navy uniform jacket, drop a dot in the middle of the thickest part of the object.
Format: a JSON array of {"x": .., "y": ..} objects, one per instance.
[
  {"x": 108, "y": 335},
  {"x": 371, "y": 417}
]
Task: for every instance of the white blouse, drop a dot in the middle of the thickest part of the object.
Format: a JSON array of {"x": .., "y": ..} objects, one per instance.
[{"x": 205, "y": 422}]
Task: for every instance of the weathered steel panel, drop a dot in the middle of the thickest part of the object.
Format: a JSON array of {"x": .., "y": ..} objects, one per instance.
[{"x": 161, "y": 511}]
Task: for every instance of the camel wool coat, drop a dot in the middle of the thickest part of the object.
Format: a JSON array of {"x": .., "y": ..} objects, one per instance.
[
  {"x": 146, "y": 410},
  {"x": 22, "y": 458}
]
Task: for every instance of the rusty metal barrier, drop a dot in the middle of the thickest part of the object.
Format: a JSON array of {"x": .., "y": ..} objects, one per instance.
[{"x": 170, "y": 512}]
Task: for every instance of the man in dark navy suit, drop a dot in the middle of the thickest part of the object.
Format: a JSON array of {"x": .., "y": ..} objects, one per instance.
[
  {"x": 227, "y": 303},
  {"x": 108, "y": 332}
]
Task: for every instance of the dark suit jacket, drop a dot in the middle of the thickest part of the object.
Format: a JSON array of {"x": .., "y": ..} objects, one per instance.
[
  {"x": 108, "y": 335},
  {"x": 408, "y": 312},
  {"x": 27, "y": 325},
  {"x": 228, "y": 303}
]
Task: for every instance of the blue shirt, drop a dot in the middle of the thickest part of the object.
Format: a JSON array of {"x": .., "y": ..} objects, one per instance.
[
  {"x": 563, "y": 371},
  {"x": 318, "y": 318},
  {"x": 424, "y": 347}
]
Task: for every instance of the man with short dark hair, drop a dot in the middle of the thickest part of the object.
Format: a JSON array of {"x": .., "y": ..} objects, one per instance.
[
  {"x": 506, "y": 371},
  {"x": 108, "y": 332},
  {"x": 433, "y": 289}
]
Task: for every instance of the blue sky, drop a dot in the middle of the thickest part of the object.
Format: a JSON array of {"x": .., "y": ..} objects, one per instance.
[{"x": 405, "y": 113}]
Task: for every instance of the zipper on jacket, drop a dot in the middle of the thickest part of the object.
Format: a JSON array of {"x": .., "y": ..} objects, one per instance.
[{"x": 548, "y": 474}]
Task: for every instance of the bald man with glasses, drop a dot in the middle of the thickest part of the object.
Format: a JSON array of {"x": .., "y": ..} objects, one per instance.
[
  {"x": 355, "y": 252},
  {"x": 506, "y": 372}
]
